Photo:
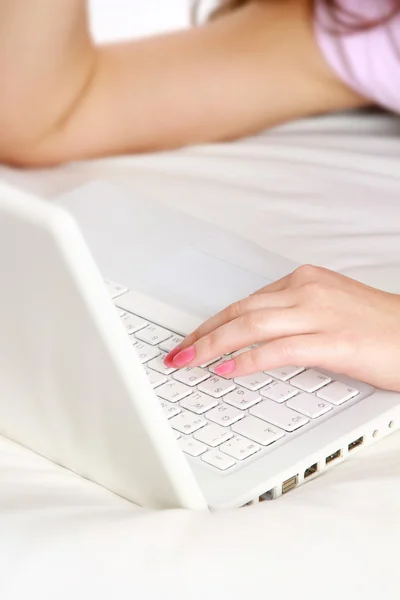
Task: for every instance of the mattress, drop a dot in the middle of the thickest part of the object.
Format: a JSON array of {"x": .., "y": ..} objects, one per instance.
[{"x": 324, "y": 191}]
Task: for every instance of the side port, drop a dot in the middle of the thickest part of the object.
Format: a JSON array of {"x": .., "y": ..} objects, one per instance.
[
  {"x": 311, "y": 470},
  {"x": 333, "y": 457},
  {"x": 267, "y": 496},
  {"x": 249, "y": 503},
  {"x": 356, "y": 443},
  {"x": 289, "y": 484}
]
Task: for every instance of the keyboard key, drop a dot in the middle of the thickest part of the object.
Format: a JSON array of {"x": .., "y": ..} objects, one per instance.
[
  {"x": 187, "y": 422},
  {"x": 257, "y": 430},
  {"x": 146, "y": 352},
  {"x": 155, "y": 378},
  {"x": 199, "y": 403},
  {"x": 213, "y": 435},
  {"x": 278, "y": 391},
  {"x": 309, "y": 405},
  {"x": 285, "y": 373},
  {"x": 170, "y": 410},
  {"x": 242, "y": 351},
  {"x": 173, "y": 391},
  {"x": 216, "y": 364},
  {"x": 310, "y": 381},
  {"x": 242, "y": 399},
  {"x": 210, "y": 362},
  {"x": 158, "y": 365},
  {"x": 222, "y": 360},
  {"x": 133, "y": 323},
  {"x": 218, "y": 459},
  {"x": 191, "y": 446},
  {"x": 217, "y": 386},
  {"x": 171, "y": 343},
  {"x": 253, "y": 382},
  {"x": 191, "y": 375},
  {"x": 153, "y": 335},
  {"x": 279, "y": 415},
  {"x": 337, "y": 393},
  {"x": 224, "y": 415},
  {"x": 240, "y": 448},
  {"x": 114, "y": 289}
]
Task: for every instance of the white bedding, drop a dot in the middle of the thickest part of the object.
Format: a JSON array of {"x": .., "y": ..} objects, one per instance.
[{"x": 325, "y": 191}]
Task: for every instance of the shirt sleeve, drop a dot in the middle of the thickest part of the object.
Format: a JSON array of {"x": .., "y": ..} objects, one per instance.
[{"x": 367, "y": 61}]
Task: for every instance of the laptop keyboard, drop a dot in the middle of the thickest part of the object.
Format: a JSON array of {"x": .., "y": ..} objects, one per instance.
[{"x": 224, "y": 423}]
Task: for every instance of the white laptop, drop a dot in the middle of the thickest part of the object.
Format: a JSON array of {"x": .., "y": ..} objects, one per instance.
[{"x": 82, "y": 379}]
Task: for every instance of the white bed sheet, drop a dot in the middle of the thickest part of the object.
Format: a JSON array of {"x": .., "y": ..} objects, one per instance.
[{"x": 325, "y": 191}]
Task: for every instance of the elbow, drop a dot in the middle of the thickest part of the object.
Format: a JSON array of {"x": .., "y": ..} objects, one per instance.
[
  {"x": 23, "y": 160},
  {"x": 29, "y": 142},
  {"x": 21, "y": 135},
  {"x": 19, "y": 154}
]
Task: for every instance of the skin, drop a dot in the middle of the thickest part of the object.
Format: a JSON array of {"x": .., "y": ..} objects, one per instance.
[
  {"x": 64, "y": 98},
  {"x": 313, "y": 317}
]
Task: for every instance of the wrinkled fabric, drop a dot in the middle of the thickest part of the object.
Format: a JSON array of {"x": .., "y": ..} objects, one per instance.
[{"x": 325, "y": 191}]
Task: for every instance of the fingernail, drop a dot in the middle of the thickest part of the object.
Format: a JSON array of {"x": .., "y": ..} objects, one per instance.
[
  {"x": 184, "y": 357},
  {"x": 227, "y": 367},
  {"x": 169, "y": 359}
]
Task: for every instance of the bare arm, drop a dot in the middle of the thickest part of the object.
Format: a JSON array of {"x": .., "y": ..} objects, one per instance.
[
  {"x": 46, "y": 62},
  {"x": 67, "y": 99}
]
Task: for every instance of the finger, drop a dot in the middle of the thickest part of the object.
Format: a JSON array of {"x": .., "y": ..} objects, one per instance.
[
  {"x": 309, "y": 350},
  {"x": 232, "y": 312},
  {"x": 277, "y": 286},
  {"x": 251, "y": 328}
]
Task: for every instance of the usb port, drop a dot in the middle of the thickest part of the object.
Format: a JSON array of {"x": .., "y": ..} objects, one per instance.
[
  {"x": 289, "y": 484},
  {"x": 333, "y": 457},
  {"x": 356, "y": 443},
  {"x": 311, "y": 470}
]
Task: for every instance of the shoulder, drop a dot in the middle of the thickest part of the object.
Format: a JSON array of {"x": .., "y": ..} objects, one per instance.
[{"x": 368, "y": 60}]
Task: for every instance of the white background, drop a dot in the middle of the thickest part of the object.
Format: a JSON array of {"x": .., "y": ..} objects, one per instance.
[{"x": 116, "y": 19}]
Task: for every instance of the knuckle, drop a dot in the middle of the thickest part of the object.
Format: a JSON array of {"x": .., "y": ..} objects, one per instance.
[
  {"x": 316, "y": 291},
  {"x": 252, "y": 361},
  {"x": 236, "y": 309},
  {"x": 254, "y": 322},
  {"x": 209, "y": 344},
  {"x": 194, "y": 337},
  {"x": 306, "y": 273},
  {"x": 286, "y": 352},
  {"x": 292, "y": 351}
]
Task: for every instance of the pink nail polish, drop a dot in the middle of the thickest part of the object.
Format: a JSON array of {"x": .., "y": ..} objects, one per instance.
[
  {"x": 169, "y": 359},
  {"x": 226, "y": 368},
  {"x": 184, "y": 357}
]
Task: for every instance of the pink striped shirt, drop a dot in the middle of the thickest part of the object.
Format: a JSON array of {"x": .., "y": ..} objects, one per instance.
[{"x": 367, "y": 61}]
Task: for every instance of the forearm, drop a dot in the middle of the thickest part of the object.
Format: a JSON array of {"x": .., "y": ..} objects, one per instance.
[
  {"x": 46, "y": 58},
  {"x": 67, "y": 100}
]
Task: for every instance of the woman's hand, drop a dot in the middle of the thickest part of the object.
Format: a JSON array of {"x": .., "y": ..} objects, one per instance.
[{"x": 311, "y": 318}]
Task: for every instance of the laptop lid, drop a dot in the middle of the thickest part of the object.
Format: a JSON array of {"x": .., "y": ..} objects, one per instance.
[{"x": 71, "y": 386}]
